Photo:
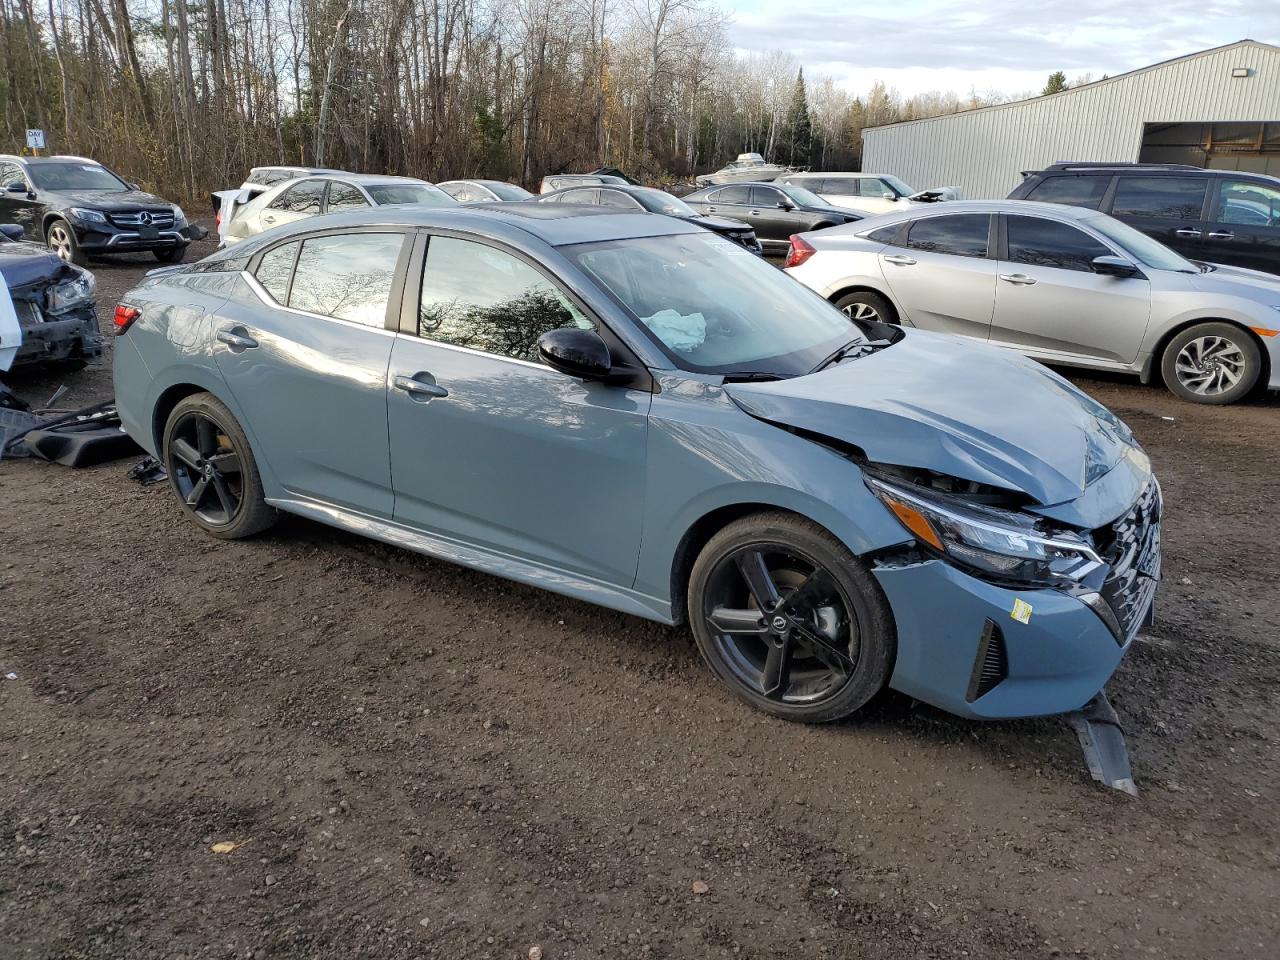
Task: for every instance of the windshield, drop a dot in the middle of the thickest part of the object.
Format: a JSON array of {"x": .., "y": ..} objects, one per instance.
[
  {"x": 1142, "y": 248},
  {"x": 659, "y": 201},
  {"x": 714, "y": 307},
  {"x": 509, "y": 191},
  {"x": 423, "y": 194},
  {"x": 74, "y": 176},
  {"x": 801, "y": 195},
  {"x": 902, "y": 188}
]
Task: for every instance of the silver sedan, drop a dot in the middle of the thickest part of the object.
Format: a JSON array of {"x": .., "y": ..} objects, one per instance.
[{"x": 1062, "y": 284}]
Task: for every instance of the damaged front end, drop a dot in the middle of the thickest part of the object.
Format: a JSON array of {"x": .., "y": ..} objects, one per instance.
[{"x": 58, "y": 317}]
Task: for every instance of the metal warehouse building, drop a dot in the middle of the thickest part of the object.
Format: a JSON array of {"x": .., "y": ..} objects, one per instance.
[{"x": 1218, "y": 108}]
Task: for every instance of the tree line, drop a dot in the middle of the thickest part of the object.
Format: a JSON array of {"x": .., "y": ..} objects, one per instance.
[{"x": 185, "y": 97}]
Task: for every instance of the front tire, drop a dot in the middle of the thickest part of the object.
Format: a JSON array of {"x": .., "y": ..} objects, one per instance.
[
  {"x": 1215, "y": 363},
  {"x": 61, "y": 239},
  {"x": 867, "y": 307},
  {"x": 212, "y": 470},
  {"x": 171, "y": 254},
  {"x": 790, "y": 620}
]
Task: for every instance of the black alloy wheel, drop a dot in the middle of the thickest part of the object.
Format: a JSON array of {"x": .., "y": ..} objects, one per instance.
[{"x": 787, "y": 617}]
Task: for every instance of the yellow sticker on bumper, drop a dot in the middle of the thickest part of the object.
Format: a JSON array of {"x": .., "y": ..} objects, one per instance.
[{"x": 1021, "y": 611}]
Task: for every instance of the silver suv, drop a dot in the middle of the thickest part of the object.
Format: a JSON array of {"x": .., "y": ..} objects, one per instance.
[{"x": 1062, "y": 284}]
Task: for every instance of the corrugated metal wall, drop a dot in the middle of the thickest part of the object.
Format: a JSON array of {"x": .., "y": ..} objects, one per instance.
[{"x": 983, "y": 151}]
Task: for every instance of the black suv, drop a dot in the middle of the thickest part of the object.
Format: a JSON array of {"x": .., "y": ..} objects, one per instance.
[
  {"x": 80, "y": 208},
  {"x": 1222, "y": 216}
]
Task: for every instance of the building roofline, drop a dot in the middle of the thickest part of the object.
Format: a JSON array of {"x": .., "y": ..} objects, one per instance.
[{"x": 1088, "y": 86}]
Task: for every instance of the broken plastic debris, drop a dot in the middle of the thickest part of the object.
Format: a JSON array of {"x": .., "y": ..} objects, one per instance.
[
  {"x": 1169, "y": 418},
  {"x": 11, "y": 676},
  {"x": 228, "y": 846}
]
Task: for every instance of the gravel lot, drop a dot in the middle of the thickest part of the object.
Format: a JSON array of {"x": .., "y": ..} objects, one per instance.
[{"x": 422, "y": 761}]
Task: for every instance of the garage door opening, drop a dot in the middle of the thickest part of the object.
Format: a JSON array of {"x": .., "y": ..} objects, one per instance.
[{"x": 1249, "y": 147}]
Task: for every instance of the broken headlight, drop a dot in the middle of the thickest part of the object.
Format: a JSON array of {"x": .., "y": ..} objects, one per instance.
[
  {"x": 993, "y": 542},
  {"x": 70, "y": 293}
]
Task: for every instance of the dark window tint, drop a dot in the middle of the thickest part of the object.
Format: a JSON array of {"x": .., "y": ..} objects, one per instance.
[
  {"x": 275, "y": 268},
  {"x": 1249, "y": 203},
  {"x": 963, "y": 234},
  {"x": 1170, "y": 198},
  {"x": 731, "y": 195},
  {"x": 887, "y": 234},
  {"x": 619, "y": 200},
  {"x": 767, "y": 196},
  {"x": 343, "y": 196},
  {"x": 1048, "y": 243},
  {"x": 347, "y": 276},
  {"x": 1074, "y": 191},
  {"x": 303, "y": 198},
  {"x": 476, "y": 296}
]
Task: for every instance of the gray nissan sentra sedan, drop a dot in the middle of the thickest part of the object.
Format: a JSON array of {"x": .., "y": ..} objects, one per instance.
[{"x": 630, "y": 410}]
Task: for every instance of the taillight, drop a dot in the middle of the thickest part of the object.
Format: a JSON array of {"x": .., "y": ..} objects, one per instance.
[
  {"x": 217, "y": 218},
  {"x": 125, "y": 315},
  {"x": 799, "y": 251}
]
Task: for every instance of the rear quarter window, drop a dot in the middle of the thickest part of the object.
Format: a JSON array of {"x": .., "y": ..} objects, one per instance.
[{"x": 1072, "y": 191}]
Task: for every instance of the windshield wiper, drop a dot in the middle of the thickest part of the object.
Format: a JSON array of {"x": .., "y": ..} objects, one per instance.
[
  {"x": 751, "y": 376},
  {"x": 841, "y": 354}
]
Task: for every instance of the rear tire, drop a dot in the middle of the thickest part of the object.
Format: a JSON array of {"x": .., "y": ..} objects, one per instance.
[
  {"x": 1214, "y": 363},
  {"x": 212, "y": 470},
  {"x": 790, "y": 620},
  {"x": 867, "y": 306}
]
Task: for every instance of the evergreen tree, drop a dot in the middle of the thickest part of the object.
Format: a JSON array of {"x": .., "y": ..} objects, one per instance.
[
  {"x": 1057, "y": 83},
  {"x": 799, "y": 127}
]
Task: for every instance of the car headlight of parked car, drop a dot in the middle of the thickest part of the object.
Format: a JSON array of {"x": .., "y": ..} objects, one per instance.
[
  {"x": 179, "y": 218},
  {"x": 70, "y": 293},
  {"x": 993, "y": 542},
  {"x": 87, "y": 216}
]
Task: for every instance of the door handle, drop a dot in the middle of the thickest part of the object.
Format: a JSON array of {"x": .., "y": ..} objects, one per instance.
[
  {"x": 1218, "y": 235},
  {"x": 1187, "y": 232},
  {"x": 268, "y": 219},
  {"x": 900, "y": 260},
  {"x": 419, "y": 390},
  {"x": 236, "y": 341},
  {"x": 711, "y": 209},
  {"x": 1021, "y": 279}
]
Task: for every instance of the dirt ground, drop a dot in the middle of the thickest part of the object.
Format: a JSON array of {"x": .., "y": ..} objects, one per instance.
[{"x": 422, "y": 761}]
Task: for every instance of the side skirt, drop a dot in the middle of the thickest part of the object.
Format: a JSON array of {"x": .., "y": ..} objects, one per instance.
[{"x": 478, "y": 558}]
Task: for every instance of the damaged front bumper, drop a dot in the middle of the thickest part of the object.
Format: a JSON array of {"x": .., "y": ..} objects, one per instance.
[
  {"x": 49, "y": 338},
  {"x": 985, "y": 651}
]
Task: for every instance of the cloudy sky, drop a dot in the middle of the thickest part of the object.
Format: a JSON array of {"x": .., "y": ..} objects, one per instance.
[{"x": 1006, "y": 45}]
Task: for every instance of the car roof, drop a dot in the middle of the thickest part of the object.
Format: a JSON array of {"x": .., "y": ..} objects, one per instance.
[
  {"x": 818, "y": 174},
  {"x": 554, "y": 224},
  {"x": 56, "y": 158},
  {"x": 1055, "y": 211},
  {"x": 1146, "y": 170}
]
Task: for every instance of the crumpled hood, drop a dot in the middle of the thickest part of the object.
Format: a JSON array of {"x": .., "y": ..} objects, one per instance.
[
  {"x": 22, "y": 264},
  {"x": 1239, "y": 282},
  {"x": 116, "y": 199},
  {"x": 957, "y": 407}
]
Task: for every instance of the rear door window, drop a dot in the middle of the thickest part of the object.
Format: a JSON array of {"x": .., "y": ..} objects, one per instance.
[
  {"x": 347, "y": 276},
  {"x": 1073, "y": 191},
  {"x": 1038, "y": 242},
  {"x": 961, "y": 234},
  {"x": 731, "y": 195},
  {"x": 300, "y": 198},
  {"x": 1165, "y": 198}
]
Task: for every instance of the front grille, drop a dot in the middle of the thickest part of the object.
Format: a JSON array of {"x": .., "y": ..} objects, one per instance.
[
  {"x": 163, "y": 219},
  {"x": 1131, "y": 545},
  {"x": 991, "y": 665}
]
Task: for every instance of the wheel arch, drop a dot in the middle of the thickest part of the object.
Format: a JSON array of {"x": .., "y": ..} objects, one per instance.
[
  {"x": 700, "y": 533},
  {"x": 861, "y": 287},
  {"x": 47, "y": 220},
  {"x": 1152, "y": 370},
  {"x": 168, "y": 399}
]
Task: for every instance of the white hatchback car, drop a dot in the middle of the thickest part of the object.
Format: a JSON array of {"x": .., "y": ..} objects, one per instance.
[{"x": 1062, "y": 284}]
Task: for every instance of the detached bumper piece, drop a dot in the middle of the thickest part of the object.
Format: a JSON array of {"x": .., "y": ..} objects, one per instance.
[
  {"x": 1103, "y": 743},
  {"x": 80, "y": 439}
]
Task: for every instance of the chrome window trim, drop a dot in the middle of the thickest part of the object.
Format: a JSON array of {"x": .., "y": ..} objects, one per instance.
[{"x": 473, "y": 351}]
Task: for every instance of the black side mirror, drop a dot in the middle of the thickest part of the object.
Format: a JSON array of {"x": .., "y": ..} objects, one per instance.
[
  {"x": 1114, "y": 267},
  {"x": 578, "y": 353},
  {"x": 18, "y": 187},
  {"x": 11, "y": 230},
  {"x": 132, "y": 186}
]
